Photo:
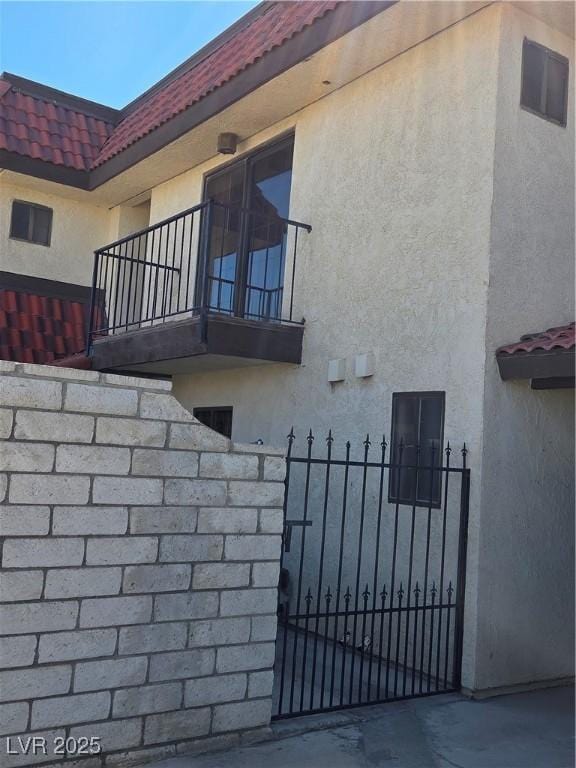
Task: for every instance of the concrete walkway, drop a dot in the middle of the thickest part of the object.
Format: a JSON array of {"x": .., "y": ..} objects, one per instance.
[{"x": 528, "y": 730}]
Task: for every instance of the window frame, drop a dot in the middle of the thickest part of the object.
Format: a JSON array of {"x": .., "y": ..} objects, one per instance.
[
  {"x": 33, "y": 207},
  {"x": 212, "y": 408},
  {"x": 414, "y": 502},
  {"x": 548, "y": 54}
]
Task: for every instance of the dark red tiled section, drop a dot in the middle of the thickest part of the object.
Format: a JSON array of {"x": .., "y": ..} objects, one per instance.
[
  {"x": 45, "y": 130},
  {"x": 40, "y": 329},
  {"x": 562, "y": 337},
  {"x": 278, "y": 24}
]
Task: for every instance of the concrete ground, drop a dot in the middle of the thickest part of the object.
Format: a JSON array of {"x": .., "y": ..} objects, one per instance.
[{"x": 526, "y": 730}]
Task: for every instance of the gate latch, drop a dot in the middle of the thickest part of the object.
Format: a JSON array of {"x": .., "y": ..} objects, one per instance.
[{"x": 288, "y": 524}]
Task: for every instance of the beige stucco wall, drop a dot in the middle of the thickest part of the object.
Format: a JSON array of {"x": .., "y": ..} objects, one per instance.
[
  {"x": 526, "y": 601},
  {"x": 394, "y": 173},
  {"x": 78, "y": 228}
]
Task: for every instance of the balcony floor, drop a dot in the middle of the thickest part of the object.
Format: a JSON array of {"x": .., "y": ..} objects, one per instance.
[{"x": 178, "y": 347}]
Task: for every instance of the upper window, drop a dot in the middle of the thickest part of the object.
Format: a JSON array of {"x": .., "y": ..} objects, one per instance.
[
  {"x": 544, "y": 82},
  {"x": 416, "y": 448},
  {"x": 31, "y": 222},
  {"x": 218, "y": 419}
]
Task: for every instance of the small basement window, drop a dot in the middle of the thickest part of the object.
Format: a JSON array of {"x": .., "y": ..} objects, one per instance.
[
  {"x": 544, "y": 82},
  {"x": 218, "y": 419},
  {"x": 30, "y": 222},
  {"x": 417, "y": 422}
]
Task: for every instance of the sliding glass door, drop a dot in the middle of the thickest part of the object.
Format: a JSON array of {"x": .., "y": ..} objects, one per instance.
[{"x": 247, "y": 246}]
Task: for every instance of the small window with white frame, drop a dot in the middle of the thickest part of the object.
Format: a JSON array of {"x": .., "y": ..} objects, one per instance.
[{"x": 31, "y": 222}]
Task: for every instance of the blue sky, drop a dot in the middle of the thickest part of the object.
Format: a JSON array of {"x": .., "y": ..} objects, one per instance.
[{"x": 109, "y": 52}]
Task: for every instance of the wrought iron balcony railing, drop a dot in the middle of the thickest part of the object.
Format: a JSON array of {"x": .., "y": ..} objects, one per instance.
[{"x": 211, "y": 258}]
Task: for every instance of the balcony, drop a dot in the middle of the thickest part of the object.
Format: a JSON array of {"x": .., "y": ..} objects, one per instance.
[{"x": 209, "y": 288}]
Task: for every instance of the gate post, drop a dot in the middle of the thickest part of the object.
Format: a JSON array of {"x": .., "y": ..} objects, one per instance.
[{"x": 461, "y": 575}]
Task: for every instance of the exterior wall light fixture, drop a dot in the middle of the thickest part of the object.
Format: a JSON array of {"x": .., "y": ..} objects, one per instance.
[{"x": 227, "y": 143}]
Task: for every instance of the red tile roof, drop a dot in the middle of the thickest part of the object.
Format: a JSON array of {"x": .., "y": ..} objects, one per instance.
[
  {"x": 40, "y": 329},
  {"x": 562, "y": 337},
  {"x": 46, "y": 130},
  {"x": 280, "y": 22}
]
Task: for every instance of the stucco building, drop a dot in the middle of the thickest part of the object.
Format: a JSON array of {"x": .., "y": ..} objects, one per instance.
[{"x": 392, "y": 189}]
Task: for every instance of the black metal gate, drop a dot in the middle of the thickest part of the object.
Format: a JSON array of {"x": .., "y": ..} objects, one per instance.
[{"x": 373, "y": 572}]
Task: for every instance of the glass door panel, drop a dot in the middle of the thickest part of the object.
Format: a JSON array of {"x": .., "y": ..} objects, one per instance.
[
  {"x": 224, "y": 239},
  {"x": 269, "y": 200}
]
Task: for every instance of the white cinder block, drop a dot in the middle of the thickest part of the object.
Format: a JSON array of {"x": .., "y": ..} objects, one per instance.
[
  {"x": 65, "y": 710},
  {"x": 197, "y": 437},
  {"x": 214, "y": 690},
  {"x": 110, "y": 611},
  {"x": 6, "y": 419},
  {"x": 98, "y": 399},
  {"x": 117, "y": 734},
  {"x": 136, "y": 381},
  {"x": 165, "y": 407},
  {"x": 121, "y": 550},
  {"x": 193, "y": 548},
  {"x": 227, "y": 520},
  {"x": 263, "y": 628},
  {"x": 49, "y": 489},
  {"x": 30, "y": 393},
  {"x": 182, "y": 664},
  {"x": 336, "y": 370},
  {"x": 20, "y": 585},
  {"x": 252, "y": 548},
  {"x": 54, "y": 427},
  {"x": 68, "y": 646},
  {"x": 164, "y": 463},
  {"x": 89, "y": 520},
  {"x": 175, "y": 726},
  {"x": 163, "y": 519},
  {"x": 220, "y": 575},
  {"x": 34, "y": 683},
  {"x": 195, "y": 492},
  {"x": 26, "y": 457},
  {"x": 21, "y": 618},
  {"x": 82, "y": 582},
  {"x": 42, "y": 553},
  {"x": 132, "y": 432},
  {"x": 13, "y": 717},
  {"x": 156, "y": 578},
  {"x": 265, "y": 574},
  {"x": 110, "y": 673},
  {"x": 242, "y": 715},
  {"x": 92, "y": 459},
  {"x": 272, "y": 520},
  {"x": 189, "y": 605},
  {"x": 275, "y": 468},
  {"x": 153, "y": 637},
  {"x": 242, "y": 602},
  {"x": 228, "y": 465},
  {"x": 364, "y": 365},
  {"x": 25, "y": 520},
  {"x": 127, "y": 490},
  {"x": 239, "y": 658},
  {"x": 147, "y": 699},
  {"x": 219, "y": 632},
  {"x": 17, "y": 651},
  {"x": 255, "y": 494},
  {"x": 260, "y": 683}
]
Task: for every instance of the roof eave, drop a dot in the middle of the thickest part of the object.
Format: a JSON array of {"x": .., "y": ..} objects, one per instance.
[{"x": 541, "y": 364}]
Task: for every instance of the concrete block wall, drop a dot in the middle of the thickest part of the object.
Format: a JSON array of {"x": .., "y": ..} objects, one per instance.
[{"x": 140, "y": 558}]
